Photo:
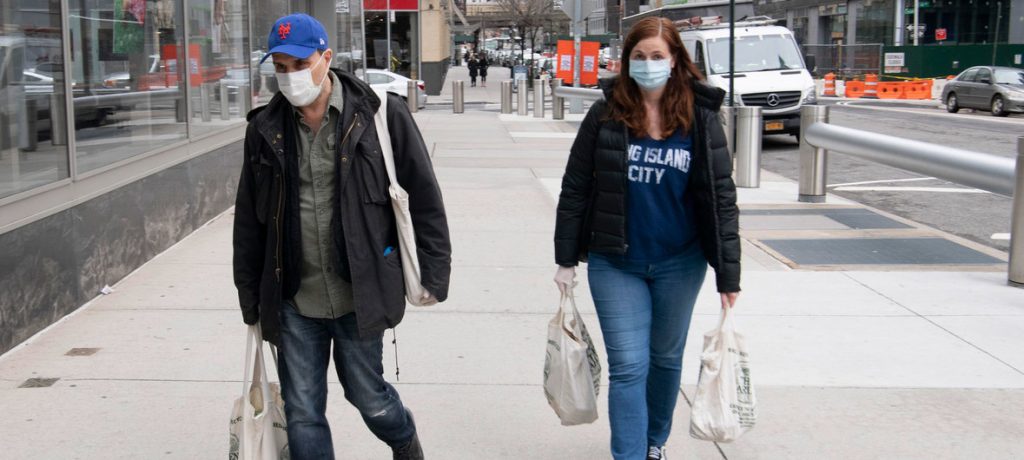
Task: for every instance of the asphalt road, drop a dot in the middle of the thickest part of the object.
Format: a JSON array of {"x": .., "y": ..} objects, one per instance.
[{"x": 963, "y": 211}]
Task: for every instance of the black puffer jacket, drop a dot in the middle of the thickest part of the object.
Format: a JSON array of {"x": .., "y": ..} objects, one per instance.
[
  {"x": 592, "y": 210},
  {"x": 267, "y": 237}
]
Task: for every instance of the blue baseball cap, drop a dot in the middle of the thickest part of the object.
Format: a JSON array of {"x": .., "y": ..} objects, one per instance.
[{"x": 297, "y": 35}]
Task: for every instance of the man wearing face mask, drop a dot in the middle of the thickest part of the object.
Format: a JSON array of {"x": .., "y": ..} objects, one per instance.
[{"x": 316, "y": 252}]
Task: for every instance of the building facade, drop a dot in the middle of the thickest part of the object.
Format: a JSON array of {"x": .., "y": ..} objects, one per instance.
[
  {"x": 890, "y": 22},
  {"x": 121, "y": 124}
]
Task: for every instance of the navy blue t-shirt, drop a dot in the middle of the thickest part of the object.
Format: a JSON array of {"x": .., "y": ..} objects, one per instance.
[{"x": 661, "y": 223}]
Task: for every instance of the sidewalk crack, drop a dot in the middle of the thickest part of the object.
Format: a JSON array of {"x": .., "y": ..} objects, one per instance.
[{"x": 984, "y": 351}]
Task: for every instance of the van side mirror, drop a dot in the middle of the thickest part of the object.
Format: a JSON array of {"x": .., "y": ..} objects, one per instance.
[{"x": 809, "y": 60}]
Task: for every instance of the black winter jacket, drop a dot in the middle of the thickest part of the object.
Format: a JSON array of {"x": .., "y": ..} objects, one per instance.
[
  {"x": 267, "y": 237},
  {"x": 592, "y": 211}
]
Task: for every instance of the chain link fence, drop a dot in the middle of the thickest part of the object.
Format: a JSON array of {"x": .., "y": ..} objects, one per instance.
[{"x": 845, "y": 61}]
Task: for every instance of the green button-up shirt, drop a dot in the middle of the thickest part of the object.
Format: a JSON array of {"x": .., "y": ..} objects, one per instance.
[{"x": 322, "y": 292}]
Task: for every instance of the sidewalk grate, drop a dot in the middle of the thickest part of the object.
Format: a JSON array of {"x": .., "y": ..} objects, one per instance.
[
  {"x": 878, "y": 251},
  {"x": 854, "y": 218},
  {"x": 38, "y": 383},
  {"x": 82, "y": 352}
]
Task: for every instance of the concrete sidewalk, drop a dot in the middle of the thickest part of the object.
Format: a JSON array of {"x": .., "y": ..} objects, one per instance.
[{"x": 850, "y": 360}]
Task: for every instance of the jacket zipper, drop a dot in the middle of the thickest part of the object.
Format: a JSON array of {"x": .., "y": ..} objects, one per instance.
[
  {"x": 277, "y": 225},
  {"x": 625, "y": 192},
  {"x": 709, "y": 157}
]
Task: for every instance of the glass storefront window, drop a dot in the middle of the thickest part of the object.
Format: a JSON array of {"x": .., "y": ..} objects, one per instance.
[
  {"x": 220, "y": 55},
  {"x": 404, "y": 34},
  {"x": 265, "y": 12},
  {"x": 127, "y": 61},
  {"x": 33, "y": 148}
]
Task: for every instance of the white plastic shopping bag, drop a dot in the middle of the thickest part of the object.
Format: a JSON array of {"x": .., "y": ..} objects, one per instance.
[
  {"x": 725, "y": 406},
  {"x": 258, "y": 429},
  {"x": 572, "y": 369}
]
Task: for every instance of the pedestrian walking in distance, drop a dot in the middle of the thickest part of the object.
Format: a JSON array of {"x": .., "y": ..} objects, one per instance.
[
  {"x": 474, "y": 67},
  {"x": 647, "y": 198},
  {"x": 483, "y": 63},
  {"x": 316, "y": 256}
]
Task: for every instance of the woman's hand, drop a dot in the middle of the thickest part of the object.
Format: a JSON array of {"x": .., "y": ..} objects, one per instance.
[
  {"x": 729, "y": 299},
  {"x": 565, "y": 278}
]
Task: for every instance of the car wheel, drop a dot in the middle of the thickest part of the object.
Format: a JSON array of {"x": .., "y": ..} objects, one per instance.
[
  {"x": 952, "y": 104},
  {"x": 998, "y": 109}
]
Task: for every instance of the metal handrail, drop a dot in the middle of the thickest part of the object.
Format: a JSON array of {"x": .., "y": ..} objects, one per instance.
[
  {"x": 973, "y": 169},
  {"x": 586, "y": 94},
  {"x": 999, "y": 175}
]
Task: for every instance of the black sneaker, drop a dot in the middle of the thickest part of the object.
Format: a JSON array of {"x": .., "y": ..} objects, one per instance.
[{"x": 656, "y": 453}]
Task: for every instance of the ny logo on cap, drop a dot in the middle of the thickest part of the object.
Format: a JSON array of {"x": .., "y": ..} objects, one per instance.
[{"x": 284, "y": 30}]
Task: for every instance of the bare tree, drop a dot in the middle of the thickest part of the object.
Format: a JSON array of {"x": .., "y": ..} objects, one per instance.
[{"x": 527, "y": 17}]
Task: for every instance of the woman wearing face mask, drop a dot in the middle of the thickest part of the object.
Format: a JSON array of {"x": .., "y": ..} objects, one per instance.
[{"x": 647, "y": 198}]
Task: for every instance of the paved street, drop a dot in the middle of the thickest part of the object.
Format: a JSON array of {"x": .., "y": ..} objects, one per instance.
[
  {"x": 852, "y": 359},
  {"x": 966, "y": 212}
]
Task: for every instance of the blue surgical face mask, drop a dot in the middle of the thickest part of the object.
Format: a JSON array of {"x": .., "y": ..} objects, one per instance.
[{"x": 650, "y": 74}]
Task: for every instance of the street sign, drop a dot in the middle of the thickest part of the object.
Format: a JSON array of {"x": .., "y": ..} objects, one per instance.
[
  {"x": 940, "y": 34},
  {"x": 568, "y": 6}
]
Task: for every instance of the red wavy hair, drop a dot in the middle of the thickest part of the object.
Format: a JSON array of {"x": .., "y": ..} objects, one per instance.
[{"x": 627, "y": 103}]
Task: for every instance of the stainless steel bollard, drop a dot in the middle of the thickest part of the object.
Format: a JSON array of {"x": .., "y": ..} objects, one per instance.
[
  {"x": 28, "y": 126},
  {"x": 728, "y": 122},
  {"x": 58, "y": 120},
  {"x": 522, "y": 107},
  {"x": 412, "y": 96},
  {"x": 538, "y": 97},
  {"x": 1016, "y": 272},
  {"x": 225, "y": 109},
  {"x": 204, "y": 101},
  {"x": 458, "y": 97},
  {"x": 813, "y": 160},
  {"x": 748, "y": 147},
  {"x": 557, "y": 102},
  {"x": 506, "y": 96},
  {"x": 244, "y": 100}
]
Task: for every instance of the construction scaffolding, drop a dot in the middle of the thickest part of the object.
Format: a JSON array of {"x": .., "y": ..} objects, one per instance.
[{"x": 845, "y": 61}]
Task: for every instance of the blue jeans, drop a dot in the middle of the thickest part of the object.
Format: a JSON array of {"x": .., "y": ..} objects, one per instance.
[
  {"x": 645, "y": 311},
  {"x": 304, "y": 354}
]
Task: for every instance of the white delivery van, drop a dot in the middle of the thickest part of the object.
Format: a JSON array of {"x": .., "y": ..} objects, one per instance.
[{"x": 769, "y": 72}]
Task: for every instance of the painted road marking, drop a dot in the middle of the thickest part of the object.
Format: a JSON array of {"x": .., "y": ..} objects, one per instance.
[
  {"x": 910, "y": 189},
  {"x": 1001, "y": 236},
  {"x": 886, "y": 181}
]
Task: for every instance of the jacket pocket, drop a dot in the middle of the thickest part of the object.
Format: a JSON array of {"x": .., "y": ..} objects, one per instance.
[
  {"x": 371, "y": 170},
  {"x": 263, "y": 173}
]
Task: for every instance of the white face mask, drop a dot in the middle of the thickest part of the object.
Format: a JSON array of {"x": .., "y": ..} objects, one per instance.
[{"x": 298, "y": 86}]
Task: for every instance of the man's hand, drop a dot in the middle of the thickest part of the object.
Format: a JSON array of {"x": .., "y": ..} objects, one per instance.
[
  {"x": 427, "y": 299},
  {"x": 565, "y": 278}
]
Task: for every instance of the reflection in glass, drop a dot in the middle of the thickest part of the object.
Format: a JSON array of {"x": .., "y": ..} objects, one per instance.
[
  {"x": 33, "y": 144},
  {"x": 267, "y": 11},
  {"x": 129, "y": 93},
  {"x": 218, "y": 45}
]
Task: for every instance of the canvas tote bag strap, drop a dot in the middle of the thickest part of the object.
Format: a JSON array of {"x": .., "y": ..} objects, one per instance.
[
  {"x": 384, "y": 136},
  {"x": 248, "y": 366}
]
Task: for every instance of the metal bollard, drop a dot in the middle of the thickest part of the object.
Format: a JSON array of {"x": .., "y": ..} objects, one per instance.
[
  {"x": 225, "y": 109},
  {"x": 244, "y": 100},
  {"x": 28, "y": 126},
  {"x": 557, "y": 102},
  {"x": 506, "y": 97},
  {"x": 538, "y": 98},
  {"x": 458, "y": 97},
  {"x": 1016, "y": 272},
  {"x": 204, "y": 102},
  {"x": 728, "y": 122},
  {"x": 522, "y": 108},
  {"x": 813, "y": 160},
  {"x": 412, "y": 98},
  {"x": 748, "y": 147},
  {"x": 58, "y": 120}
]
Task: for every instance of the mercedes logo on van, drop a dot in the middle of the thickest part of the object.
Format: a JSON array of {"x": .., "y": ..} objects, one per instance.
[{"x": 773, "y": 100}]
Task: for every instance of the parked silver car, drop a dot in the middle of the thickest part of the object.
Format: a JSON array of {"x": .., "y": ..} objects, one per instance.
[{"x": 999, "y": 90}]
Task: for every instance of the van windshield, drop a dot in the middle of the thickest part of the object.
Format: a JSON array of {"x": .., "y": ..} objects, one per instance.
[{"x": 755, "y": 54}]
